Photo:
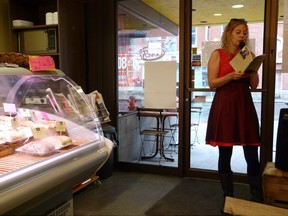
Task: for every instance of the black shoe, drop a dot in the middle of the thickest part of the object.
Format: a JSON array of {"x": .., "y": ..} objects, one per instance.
[{"x": 255, "y": 184}]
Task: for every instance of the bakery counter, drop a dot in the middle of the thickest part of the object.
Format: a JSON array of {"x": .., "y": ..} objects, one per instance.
[
  {"x": 33, "y": 184},
  {"x": 51, "y": 140},
  {"x": 30, "y": 181}
]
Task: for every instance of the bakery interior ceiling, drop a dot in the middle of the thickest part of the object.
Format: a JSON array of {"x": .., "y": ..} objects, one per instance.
[{"x": 146, "y": 14}]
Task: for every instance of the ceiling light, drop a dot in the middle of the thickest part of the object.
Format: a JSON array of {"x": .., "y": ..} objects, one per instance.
[
  {"x": 237, "y": 6},
  {"x": 217, "y": 14}
]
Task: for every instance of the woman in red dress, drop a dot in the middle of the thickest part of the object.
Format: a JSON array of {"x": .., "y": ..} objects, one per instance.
[{"x": 233, "y": 119}]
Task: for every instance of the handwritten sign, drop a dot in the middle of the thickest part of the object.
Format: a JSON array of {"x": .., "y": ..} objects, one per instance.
[
  {"x": 38, "y": 132},
  {"x": 25, "y": 113},
  {"x": 45, "y": 116},
  {"x": 8, "y": 122},
  {"x": 41, "y": 63},
  {"x": 60, "y": 126}
]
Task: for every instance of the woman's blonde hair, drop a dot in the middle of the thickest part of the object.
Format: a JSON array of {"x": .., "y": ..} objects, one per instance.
[{"x": 225, "y": 39}]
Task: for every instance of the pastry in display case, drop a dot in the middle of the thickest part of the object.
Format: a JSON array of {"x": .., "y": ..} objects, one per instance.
[{"x": 50, "y": 140}]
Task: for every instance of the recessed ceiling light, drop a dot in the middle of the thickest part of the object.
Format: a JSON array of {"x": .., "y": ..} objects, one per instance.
[
  {"x": 217, "y": 14},
  {"x": 237, "y": 6}
]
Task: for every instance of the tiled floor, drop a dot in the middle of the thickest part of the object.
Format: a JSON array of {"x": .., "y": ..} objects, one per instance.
[
  {"x": 133, "y": 194},
  {"x": 125, "y": 194}
]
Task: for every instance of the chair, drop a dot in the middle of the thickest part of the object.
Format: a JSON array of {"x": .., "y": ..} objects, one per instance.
[
  {"x": 195, "y": 121},
  {"x": 152, "y": 136},
  {"x": 171, "y": 127},
  {"x": 172, "y": 133}
]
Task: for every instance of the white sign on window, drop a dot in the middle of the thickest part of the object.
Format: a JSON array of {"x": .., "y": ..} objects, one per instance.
[{"x": 160, "y": 84}]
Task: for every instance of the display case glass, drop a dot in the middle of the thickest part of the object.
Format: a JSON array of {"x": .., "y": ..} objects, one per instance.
[{"x": 49, "y": 135}]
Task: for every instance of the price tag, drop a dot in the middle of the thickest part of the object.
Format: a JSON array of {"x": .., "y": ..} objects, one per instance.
[
  {"x": 41, "y": 63},
  {"x": 9, "y": 107},
  {"x": 24, "y": 113},
  {"x": 45, "y": 116},
  {"x": 60, "y": 126},
  {"x": 13, "y": 123},
  {"x": 8, "y": 122},
  {"x": 38, "y": 132}
]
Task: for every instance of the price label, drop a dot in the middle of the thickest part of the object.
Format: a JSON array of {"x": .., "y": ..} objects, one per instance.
[
  {"x": 8, "y": 122},
  {"x": 45, "y": 116},
  {"x": 13, "y": 123},
  {"x": 60, "y": 126},
  {"x": 9, "y": 107},
  {"x": 24, "y": 113},
  {"x": 41, "y": 63},
  {"x": 38, "y": 132}
]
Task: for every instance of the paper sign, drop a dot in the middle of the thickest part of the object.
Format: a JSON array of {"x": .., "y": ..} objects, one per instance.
[
  {"x": 38, "y": 132},
  {"x": 60, "y": 126},
  {"x": 8, "y": 122},
  {"x": 45, "y": 116},
  {"x": 41, "y": 63},
  {"x": 160, "y": 84},
  {"x": 25, "y": 113},
  {"x": 9, "y": 107}
]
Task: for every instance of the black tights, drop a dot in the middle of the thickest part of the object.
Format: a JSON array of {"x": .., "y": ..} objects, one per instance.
[{"x": 251, "y": 157}]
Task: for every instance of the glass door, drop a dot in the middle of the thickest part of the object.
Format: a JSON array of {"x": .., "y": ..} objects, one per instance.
[
  {"x": 148, "y": 77},
  {"x": 206, "y": 36},
  {"x": 142, "y": 40}
]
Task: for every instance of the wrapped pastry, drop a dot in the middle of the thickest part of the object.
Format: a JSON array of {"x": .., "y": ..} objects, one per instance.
[{"x": 38, "y": 148}]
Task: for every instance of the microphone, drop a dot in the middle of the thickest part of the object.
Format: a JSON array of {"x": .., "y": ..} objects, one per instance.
[{"x": 241, "y": 44}]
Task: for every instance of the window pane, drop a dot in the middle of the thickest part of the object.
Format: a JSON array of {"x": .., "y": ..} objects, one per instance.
[{"x": 141, "y": 41}]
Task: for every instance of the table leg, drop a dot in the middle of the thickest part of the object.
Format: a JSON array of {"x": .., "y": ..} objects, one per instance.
[
  {"x": 157, "y": 143},
  {"x": 162, "y": 153}
]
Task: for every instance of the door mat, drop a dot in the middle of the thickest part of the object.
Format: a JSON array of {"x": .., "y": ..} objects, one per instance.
[{"x": 195, "y": 197}]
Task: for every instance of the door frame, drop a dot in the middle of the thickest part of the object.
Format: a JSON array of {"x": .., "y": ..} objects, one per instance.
[
  {"x": 268, "y": 89},
  {"x": 268, "y": 92}
]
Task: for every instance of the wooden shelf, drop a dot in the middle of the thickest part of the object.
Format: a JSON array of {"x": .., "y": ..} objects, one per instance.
[
  {"x": 94, "y": 178},
  {"x": 34, "y": 27},
  {"x": 34, "y": 11},
  {"x": 43, "y": 54}
]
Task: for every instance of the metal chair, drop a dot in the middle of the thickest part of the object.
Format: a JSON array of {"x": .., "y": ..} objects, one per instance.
[
  {"x": 151, "y": 137},
  {"x": 172, "y": 129},
  {"x": 195, "y": 121}
]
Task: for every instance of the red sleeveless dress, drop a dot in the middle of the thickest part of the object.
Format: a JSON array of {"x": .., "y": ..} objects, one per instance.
[{"x": 232, "y": 119}]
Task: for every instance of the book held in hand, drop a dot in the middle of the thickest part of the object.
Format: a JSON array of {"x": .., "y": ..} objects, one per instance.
[{"x": 245, "y": 62}]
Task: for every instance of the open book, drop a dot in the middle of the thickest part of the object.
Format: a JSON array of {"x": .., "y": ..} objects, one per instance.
[{"x": 244, "y": 61}]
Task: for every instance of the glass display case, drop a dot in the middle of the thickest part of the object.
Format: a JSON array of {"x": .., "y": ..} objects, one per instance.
[{"x": 50, "y": 140}]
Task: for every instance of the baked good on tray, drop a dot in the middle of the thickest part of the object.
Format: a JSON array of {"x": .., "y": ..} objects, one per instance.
[{"x": 45, "y": 146}]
